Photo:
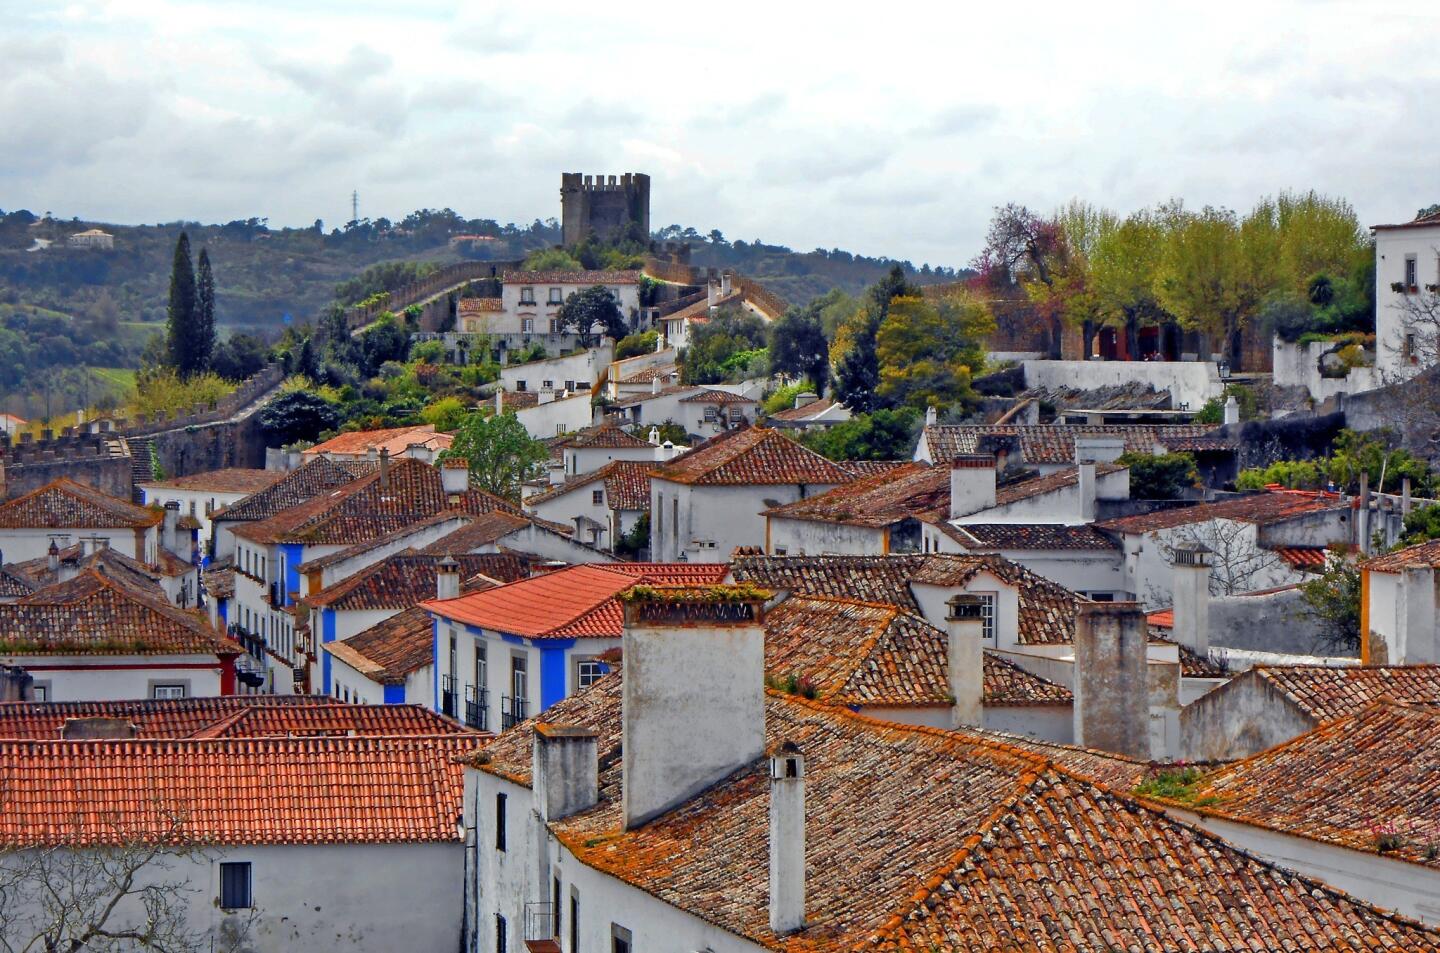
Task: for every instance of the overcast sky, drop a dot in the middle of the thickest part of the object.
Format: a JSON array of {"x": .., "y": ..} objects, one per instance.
[{"x": 883, "y": 128}]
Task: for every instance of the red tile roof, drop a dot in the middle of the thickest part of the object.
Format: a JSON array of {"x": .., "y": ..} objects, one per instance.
[
  {"x": 395, "y": 440},
  {"x": 312, "y": 479},
  {"x": 1051, "y": 444},
  {"x": 391, "y": 651},
  {"x": 752, "y": 456},
  {"x": 1030, "y": 536},
  {"x": 804, "y": 411},
  {"x": 116, "y": 565},
  {"x": 477, "y": 305},
  {"x": 579, "y": 601},
  {"x": 1422, "y": 554},
  {"x": 406, "y": 578},
  {"x": 229, "y": 480},
  {"x": 876, "y": 501},
  {"x": 233, "y": 791},
  {"x": 709, "y": 396},
  {"x": 1261, "y": 509},
  {"x": 65, "y": 504},
  {"x": 1302, "y": 557},
  {"x": 571, "y": 278},
  {"x": 608, "y": 436},
  {"x": 92, "y": 614},
  {"x": 1325, "y": 693},
  {"x": 482, "y": 530},
  {"x": 231, "y": 716},
  {"x": 921, "y": 839},
  {"x": 1007, "y": 494},
  {"x": 627, "y": 485},
  {"x": 1345, "y": 783}
]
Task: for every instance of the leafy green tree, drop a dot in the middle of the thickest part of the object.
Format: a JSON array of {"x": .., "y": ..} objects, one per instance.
[
  {"x": 383, "y": 341},
  {"x": 722, "y": 345},
  {"x": 1332, "y": 600},
  {"x": 296, "y": 416},
  {"x": 928, "y": 350},
  {"x": 634, "y": 345},
  {"x": 857, "y": 370},
  {"x": 591, "y": 308},
  {"x": 242, "y": 355},
  {"x": 181, "y": 339},
  {"x": 1163, "y": 477},
  {"x": 500, "y": 452},
  {"x": 636, "y": 540},
  {"x": 881, "y": 435},
  {"x": 1123, "y": 266},
  {"x": 204, "y": 343},
  {"x": 798, "y": 346},
  {"x": 673, "y": 432},
  {"x": 444, "y": 414},
  {"x": 1421, "y": 524},
  {"x": 552, "y": 259}
]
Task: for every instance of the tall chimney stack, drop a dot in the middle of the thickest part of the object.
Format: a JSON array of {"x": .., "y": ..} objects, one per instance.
[
  {"x": 1191, "y": 598},
  {"x": 965, "y": 628},
  {"x": 384, "y": 468},
  {"x": 565, "y": 770},
  {"x": 1111, "y": 686},
  {"x": 787, "y": 839},
  {"x": 172, "y": 527},
  {"x": 680, "y": 734},
  {"x": 972, "y": 484},
  {"x": 52, "y": 559},
  {"x": 454, "y": 476},
  {"x": 447, "y": 579}
]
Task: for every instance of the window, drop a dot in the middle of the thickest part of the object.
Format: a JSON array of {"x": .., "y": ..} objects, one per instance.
[
  {"x": 547, "y": 385},
  {"x": 527, "y": 325},
  {"x": 554, "y": 325},
  {"x": 555, "y": 296},
  {"x": 502, "y": 939},
  {"x": 169, "y": 691},
  {"x": 782, "y": 551},
  {"x": 235, "y": 886},
  {"x": 675, "y": 519},
  {"x": 710, "y": 414},
  {"x": 39, "y": 693},
  {"x": 527, "y": 295},
  {"x": 987, "y": 612},
  {"x": 619, "y": 939},
  {"x": 518, "y": 678},
  {"x": 597, "y": 497},
  {"x": 570, "y": 385},
  {"x": 480, "y": 666},
  {"x": 555, "y": 905},
  {"x": 574, "y": 921},
  {"x": 520, "y": 386},
  {"x": 1410, "y": 279},
  {"x": 452, "y": 655},
  {"x": 500, "y": 821},
  {"x": 587, "y": 673}
]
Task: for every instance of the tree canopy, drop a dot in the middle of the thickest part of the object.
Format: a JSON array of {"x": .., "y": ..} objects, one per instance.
[{"x": 500, "y": 453}]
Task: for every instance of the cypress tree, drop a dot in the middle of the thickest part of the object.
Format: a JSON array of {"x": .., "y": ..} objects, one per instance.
[
  {"x": 180, "y": 317},
  {"x": 203, "y": 347}
]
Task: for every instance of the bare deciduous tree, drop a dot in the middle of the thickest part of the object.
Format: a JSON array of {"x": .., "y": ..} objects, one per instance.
[{"x": 1237, "y": 563}]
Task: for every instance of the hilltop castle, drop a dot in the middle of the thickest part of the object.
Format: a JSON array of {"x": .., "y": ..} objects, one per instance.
[{"x": 604, "y": 205}]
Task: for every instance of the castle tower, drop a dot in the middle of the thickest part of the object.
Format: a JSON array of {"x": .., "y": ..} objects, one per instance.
[{"x": 606, "y": 205}]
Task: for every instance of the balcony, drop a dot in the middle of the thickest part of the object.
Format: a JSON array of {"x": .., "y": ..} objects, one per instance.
[
  {"x": 447, "y": 696},
  {"x": 477, "y": 708},
  {"x": 512, "y": 712},
  {"x": 541, "y": 928}
]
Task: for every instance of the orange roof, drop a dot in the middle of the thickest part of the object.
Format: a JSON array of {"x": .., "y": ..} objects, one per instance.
[
  {"x": 752, "y": 456},
  {"x": 395, "y": 440},
  {"x": 233, "y": 791},
  {"x": 1259, "y": 508},
  {"x": 477, "y": 305},
  {"x": 228, "y": 480},
  {"x": 574, "y": 602},
  {"x": 65, "y": 504},
  {"x": 1421, "y": 554}
]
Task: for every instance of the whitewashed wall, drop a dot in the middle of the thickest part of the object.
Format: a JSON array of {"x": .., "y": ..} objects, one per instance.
[
  {"x": 87, "y": 678},
  {"x": 1190, "y": 383}
]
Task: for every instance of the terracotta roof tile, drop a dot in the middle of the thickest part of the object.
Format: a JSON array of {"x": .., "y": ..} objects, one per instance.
[
  {"x": 116, "y": 565},
  {"x": 406, "y": 578},
  {"x": 391, "y": 651},
  {"x": 230, "y": 716},
  {"x": 233, "y": 791},
  {"x": 1302, "y": 557},
  {"x": 360, "y": 442},
  {"x": 1049, "y": 445},
  {"x": 1422, "y": 554},
  {"x": 1031, "y": 536},
  {"x": 805, "y": 411},
  {"x": 1049, "y": 483},
  {"x": 65, "y": 504},
  {"x": 1325, "y": 693},
  {"x": 647, "y": 374},
  {"x": 483, "y": 530},
  {"x": 1260, "y": 509},
  {"x": 304, "y": 483},
  {"x": 479, "y": 305},
  {"x": 880, "y": 500},
  {"x": 869, "y": 468},
  {"x": 608, "y": 436},
  {"x": 229, "y": 480},
  {"x": 752, "y": 456},
  {"x": 924, "y": 839},
  {"x": 709, "y": 396},
  {"x": 627, "y": 485}
]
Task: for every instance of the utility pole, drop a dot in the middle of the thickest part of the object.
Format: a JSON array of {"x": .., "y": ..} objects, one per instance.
[{"x": 355, "y": 206}]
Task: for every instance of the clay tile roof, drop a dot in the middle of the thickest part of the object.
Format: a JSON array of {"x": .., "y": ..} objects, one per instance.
[
  {"x": 1325, "y": 693},
  {"x": 868, "y": 468},
  {"x": 1049, "y": 483},
  {"x": 478, "y": 305},
  {"x": 233, "y": 791},
  {"x": 647, "y": 374},
  {"x": 1419, "y": 221},
  {"x": 483, "y": 530},
  {"x": 229, "y": 480},
  {"x": 752, "y": 456},
  {"x": 1422, "y": 554},
  {"x": 230, "y": 716},
  {"x": 65, "y": 504},
  {"x": 708, "y": 396},
  {"x": 1050, "y": 444},
  {"x": 1302, "y": 557},
  {"x": 857, "y": 653},
  {"x": 220, "y": 582},
  {"x": 1344, "y": 783},
  {"x": 1047, "y": 609},
  {"x": 922, "y": 839},
  {"x": 12, "y": 586},
  {"x": 394, "y": 439},
  {"x": 1031, "y": 536},
  {"x": 627, "y": 485},
  {"x": 804, "y": 412},
  {"x": 304, "y": 483},
  {"x": 519, "y": 399},
  {"x": 578, "y": 601},
  {"x": 391, "y": 651},
  {"x": 607, "y": 436},
  {"x": 93, "y": 614},
  {"x": 571, "y": 278},
  {"x": 118, "y": 568},
  {"x": 406, "y": 578},
  {"x": 1260, "y": 509},
  {"x": 875, "y": 501}
]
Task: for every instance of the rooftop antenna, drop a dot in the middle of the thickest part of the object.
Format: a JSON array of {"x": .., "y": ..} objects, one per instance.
[{"x": 355, "y": 206}]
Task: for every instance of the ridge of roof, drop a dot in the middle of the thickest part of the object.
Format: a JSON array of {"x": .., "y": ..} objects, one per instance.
[
  {"x": 65, "y": 504},
  {"x": 752, "y": 455}
]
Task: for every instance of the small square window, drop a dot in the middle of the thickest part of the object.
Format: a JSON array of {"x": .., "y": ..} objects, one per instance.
[
  {"x": 527, "y": 325},
  {"x": 547, "y": 385},
  {"x": 555, "y": 296},
  {"x": 587, "y": 673},
  {"x": 597, "y": 497},
  {"x": 570, "y": 386},
  {"x": 520, "y": 387},
  {"x": 40, "y": 693},
  {"x": 527, "y": 295},
  {"x": 168, "y": 691},
  {"x": 619, "y": 939},
  {"x": 235, "y": 886}
]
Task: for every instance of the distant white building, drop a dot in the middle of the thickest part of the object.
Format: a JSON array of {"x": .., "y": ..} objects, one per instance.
[
  {"x": 92, "y": 238},
  {"x": 1407, "y": 274}
]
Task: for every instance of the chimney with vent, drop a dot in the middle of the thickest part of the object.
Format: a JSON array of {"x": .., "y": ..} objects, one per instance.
[
  {"x": 447, "y": 579},
  {"x": 454, "y": 476},
  {"x": 787, "y": 839},
  {"x": 972, "y": 484},
  {"x": 15, "y": 684},
  {"x": 1191, "y": 610},
  {"x": 1111, "y": 686},
  {"x": 654, "y": 436},
  {"x": 565, "y": 770},
  {"x": 1231, "y": 413},
  {"x": 680, "y": 734},
  {"x": 725, "y": 279},
  {"x": 965, "y": 629},
  {"x": 171, "y": 539},
  {"x": 384, "y": 468}
]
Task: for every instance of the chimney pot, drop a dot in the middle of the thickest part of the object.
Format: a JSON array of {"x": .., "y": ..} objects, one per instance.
[
  {"x": 447, "y": 579},
  {"x": 384, "y": 468},
  {"x": 965, "y": 659}
]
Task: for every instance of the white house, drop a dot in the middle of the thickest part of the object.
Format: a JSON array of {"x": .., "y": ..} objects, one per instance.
[
  {"x": 1407, "y": 272},
  {"x": 390, "y": 663},
  {"x": 603, "y": 504},
  {"x": 531, "y": 300},
  {"x": 662, "y": 811},
  {"x": 1078, "y": 557},
  {"x": 547, "y": 413},
  {"x": 275, "y": 844},
  {"x": 64, "y": 511},
  {"x": 202, "y": 494},
  {"x": 92, "y": 238},
  {"x": 170, "y": 578},
  {"x": 705, "y": 411},
  {"x": 578, "y": 371},
  {"x": 1398, "y": 611},
  {"x": 96, "y": 638},
  {"x": 874, "y": 515},
  {"x": 592, "y": 448},
  {"x": 705, "y": 503}
]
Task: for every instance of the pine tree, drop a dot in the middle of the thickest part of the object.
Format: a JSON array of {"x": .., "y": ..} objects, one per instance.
[
  {"x": 180, "y": 326},
  {"x": 204, "y": 343}
]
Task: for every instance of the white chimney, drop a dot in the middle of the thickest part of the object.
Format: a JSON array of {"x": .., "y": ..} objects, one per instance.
[
  {"x": 565, "y": 770},
  {"x": 725, "y": 277},
  {"x": 447, "y": 579},
  {"x": 805, "y": 399},
  {"x": 654, "y": 436},
  {"x": 454, "y": 476},
  {"x": 655, "y": 384},
  {"x": 1088, "y": 452},
  {"x": 711, "y": 293},
  {"x": 53, "y": 557},
  {"x": 1191, "y": 609},
  {"x": 556, "y": 473},
  {"x": 171, "y": 527},
  {"x": 972, "y": 484},
  {"x": 1232, "y": 411},
  {"x": 787, "y": 839},
  {"x": 680, "y": 734},
  {"x": 500, "y": 401},
  {"x": 1111, "y": 685},
  {"x": 932, "y": 416},
  {"x": 965, "y": 631},
  {"x": 1416, "y": 642}
]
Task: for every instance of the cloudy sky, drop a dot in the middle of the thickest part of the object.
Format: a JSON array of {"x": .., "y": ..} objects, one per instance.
[{"x": 879, "y": 128}]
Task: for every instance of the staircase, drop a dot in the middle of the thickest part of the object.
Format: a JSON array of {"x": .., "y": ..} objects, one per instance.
[{"x": 140, "y": 471}]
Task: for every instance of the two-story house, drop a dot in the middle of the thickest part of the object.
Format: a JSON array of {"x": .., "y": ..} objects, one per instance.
[{"x": 63, "y": 511}]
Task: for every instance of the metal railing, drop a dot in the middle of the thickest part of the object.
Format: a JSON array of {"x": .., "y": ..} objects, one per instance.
[
  {"x": 512, "y": 712},
  {"x": 477, "y": 708},
  {"x": 447, "y": 696},
  {"x": 539, "y": 921}
]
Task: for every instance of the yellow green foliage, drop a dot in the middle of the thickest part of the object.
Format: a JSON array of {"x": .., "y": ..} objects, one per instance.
[{"x": 161, "y": 391}]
